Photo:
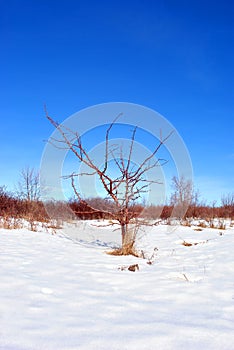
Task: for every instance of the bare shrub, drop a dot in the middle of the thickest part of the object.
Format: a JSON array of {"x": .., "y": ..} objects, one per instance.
[
  {"x": 28, "y": 185},
  {"x": 228, "y": 205}
]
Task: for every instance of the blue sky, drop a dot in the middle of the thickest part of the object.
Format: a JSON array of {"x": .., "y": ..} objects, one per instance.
[{"x": 175, "y": 57}]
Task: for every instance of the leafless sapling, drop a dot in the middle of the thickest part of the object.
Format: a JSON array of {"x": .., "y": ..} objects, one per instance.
[{"x": 128, "y": 184}]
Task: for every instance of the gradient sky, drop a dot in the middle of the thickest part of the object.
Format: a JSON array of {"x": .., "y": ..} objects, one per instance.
[{"x": 176, "y": 57}]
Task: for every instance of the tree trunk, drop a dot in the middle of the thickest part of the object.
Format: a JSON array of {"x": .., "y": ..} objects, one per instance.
[
  {"x": 127, "y": 240},
  {"x": 123, "y": 234}
]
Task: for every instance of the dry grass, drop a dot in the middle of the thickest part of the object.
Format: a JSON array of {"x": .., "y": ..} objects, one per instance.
[
  {"x": 202, "y": 224},
  {"x": 189, "y": 244},
  {"x": 11, "y": 223},
  {"x": 122, "y": 252}
]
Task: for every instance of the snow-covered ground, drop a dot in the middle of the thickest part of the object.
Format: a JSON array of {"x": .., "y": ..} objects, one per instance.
[{"x": 64, "y": 292}]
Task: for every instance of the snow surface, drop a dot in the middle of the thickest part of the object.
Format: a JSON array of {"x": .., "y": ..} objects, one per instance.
[{"x": 64, "y": 292}]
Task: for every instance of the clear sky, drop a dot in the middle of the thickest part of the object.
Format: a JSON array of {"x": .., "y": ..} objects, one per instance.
[{"x": 176, "y": 57}]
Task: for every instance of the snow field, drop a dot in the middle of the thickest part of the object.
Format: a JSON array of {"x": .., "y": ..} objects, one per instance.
[{"x": 59, "y": 293}]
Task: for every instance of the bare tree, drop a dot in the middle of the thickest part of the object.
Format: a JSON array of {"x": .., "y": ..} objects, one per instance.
[
  {"x": 123, "y": 189},
  {"x": 183, "y": 196},
  {"x": 28, "y": 185},
  {"x": 228, "y": 204}
]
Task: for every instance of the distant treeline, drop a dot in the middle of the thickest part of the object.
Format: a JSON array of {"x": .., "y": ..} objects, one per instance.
[{"x": 12, "y": 206}]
